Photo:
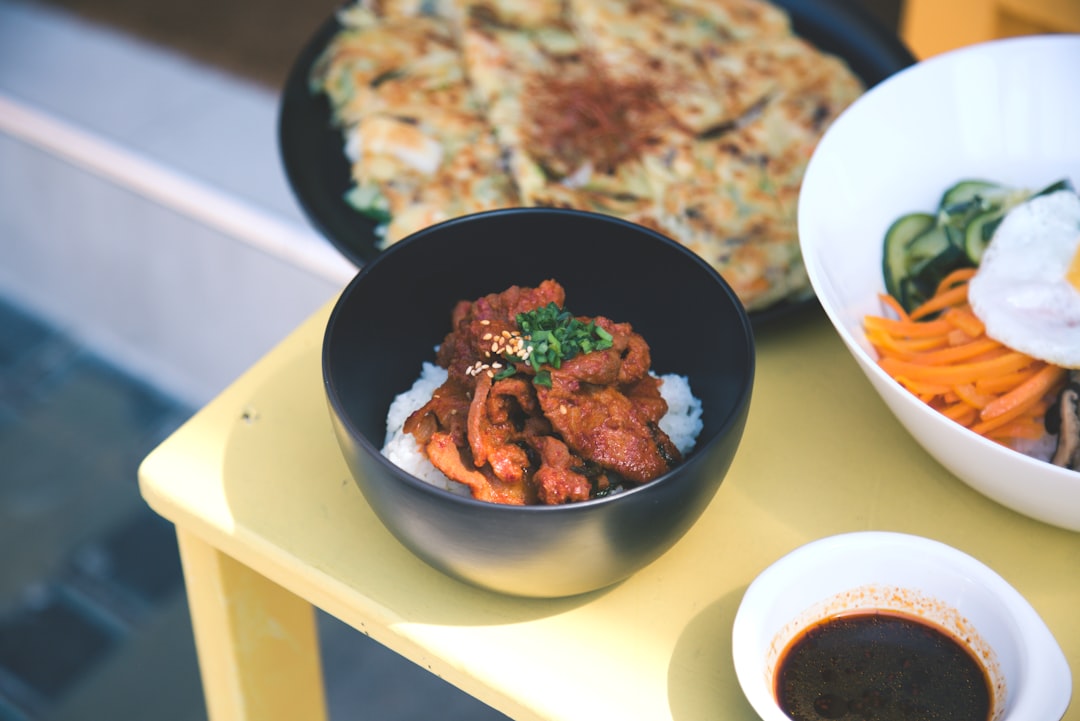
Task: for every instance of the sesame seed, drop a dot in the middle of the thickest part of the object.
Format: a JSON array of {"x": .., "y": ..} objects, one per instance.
[
  {"x": 496, "y": 365},
  {"x": 486, "y": 336},
  {"x": 485, "y": 322},
  {"x": 494, "y": 347},
  {"x": 490, "y": 374}
]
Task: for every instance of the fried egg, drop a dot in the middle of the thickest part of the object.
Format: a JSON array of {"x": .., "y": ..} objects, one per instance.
[{"x": 1027, "y": 289}]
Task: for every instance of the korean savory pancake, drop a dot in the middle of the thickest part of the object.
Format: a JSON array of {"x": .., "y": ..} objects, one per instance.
[
  {"x": 420, "y": 147},
  {"x": 695, "y": 118}
]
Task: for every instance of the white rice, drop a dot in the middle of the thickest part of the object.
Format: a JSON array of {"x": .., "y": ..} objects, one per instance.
[
  {"x": 401, "y": 447},
  {"x": 682, "y": 423}
]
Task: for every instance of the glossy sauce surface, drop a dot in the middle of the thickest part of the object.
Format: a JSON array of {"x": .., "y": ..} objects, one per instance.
[{"x": 881, "y": 666}]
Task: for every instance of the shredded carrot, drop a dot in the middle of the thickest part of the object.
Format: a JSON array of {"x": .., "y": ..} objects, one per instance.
[
  {"x": 944, "y": 299},
  {"x": 940, "y": 352},
  {"x": 909, "y": 328},
  {"x": 1028, "y": 392},
  {"x": 968, "y": 394},
  {"x": 960, "y": 372},
  {"x": 1005, "y": 383},
  {"x": 965, "y": 320},
  {"x": 1030, "y": 407},
  {"x": 954, "y": 354},
  {"x": 894, "y": 305},
  {"x": 960, "y": 276},
  {"x": 961, "y": 413},
  {"x": 1023, "y": 428},
  {"x": 902, "y": 346},
  {"x": 921, "y": 389}
]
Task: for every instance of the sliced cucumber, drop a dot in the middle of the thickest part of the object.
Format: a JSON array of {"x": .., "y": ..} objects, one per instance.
[
  {"x": 955, "y": 235},
  {"x": 931, "y": 243},
  {"x": 966, "y": 192},
  {"x": 978, "y": 233},
  {"x": 926, "y": 275},
  {"x": 931, "y": 256},
  {"x": 979, "y": 230},
  {"x": 921, "y": 249},
  {"x": 898, "y": 238},
  {"x": 370, "y": 202},
  {"x": 1065, "y": 184}
]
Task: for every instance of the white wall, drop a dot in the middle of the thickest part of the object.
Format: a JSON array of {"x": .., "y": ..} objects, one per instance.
[{"x": 143, "y": 207}]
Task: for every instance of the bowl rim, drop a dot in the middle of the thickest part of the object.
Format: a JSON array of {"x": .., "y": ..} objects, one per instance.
[
  {"x": 738, "y": 408},
  {"x": 1046, "y": 681},
  {"x": 855, "y": 343}
]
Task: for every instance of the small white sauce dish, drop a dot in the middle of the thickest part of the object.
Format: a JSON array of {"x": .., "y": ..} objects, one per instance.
[{"x": 1029, "y": 675}]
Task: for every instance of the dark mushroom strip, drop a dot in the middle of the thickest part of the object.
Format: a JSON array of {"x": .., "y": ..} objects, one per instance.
[{"x": 1064, "y": 419}]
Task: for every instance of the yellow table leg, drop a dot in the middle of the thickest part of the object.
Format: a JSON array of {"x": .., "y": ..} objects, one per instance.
[{"x": 257, "y": 643}]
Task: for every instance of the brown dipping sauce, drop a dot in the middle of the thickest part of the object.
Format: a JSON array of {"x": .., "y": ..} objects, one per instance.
[{"x": 884, "y": 666}]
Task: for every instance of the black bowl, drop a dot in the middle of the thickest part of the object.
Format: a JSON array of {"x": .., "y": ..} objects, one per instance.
[
  {"x": 319, "y": 175},
  {"x": 397, "y": 309}
]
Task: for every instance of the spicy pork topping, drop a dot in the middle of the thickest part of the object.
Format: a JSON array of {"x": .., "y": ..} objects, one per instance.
[{"x": 541, "y": 406}]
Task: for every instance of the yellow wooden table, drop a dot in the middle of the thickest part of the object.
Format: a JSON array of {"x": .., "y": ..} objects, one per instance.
[{"x": 270, "y": 524}]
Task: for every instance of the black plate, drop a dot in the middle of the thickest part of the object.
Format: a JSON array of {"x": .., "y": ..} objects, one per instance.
[{"x": 316, "y": 167}]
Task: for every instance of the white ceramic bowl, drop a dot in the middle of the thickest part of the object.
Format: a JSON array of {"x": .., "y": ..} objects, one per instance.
[
  {"x": 919, "y": 576},
  {"x": 1007, "y": 110}
]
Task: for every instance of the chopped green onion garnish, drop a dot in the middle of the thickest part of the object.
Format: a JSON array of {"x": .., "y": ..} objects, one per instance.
[{"x": 551, "y": 335}]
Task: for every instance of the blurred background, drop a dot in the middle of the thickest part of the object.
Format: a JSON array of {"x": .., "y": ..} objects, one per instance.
[
  {"x": 253, "y": 39},
  {"x": 150, "y": 251}
]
